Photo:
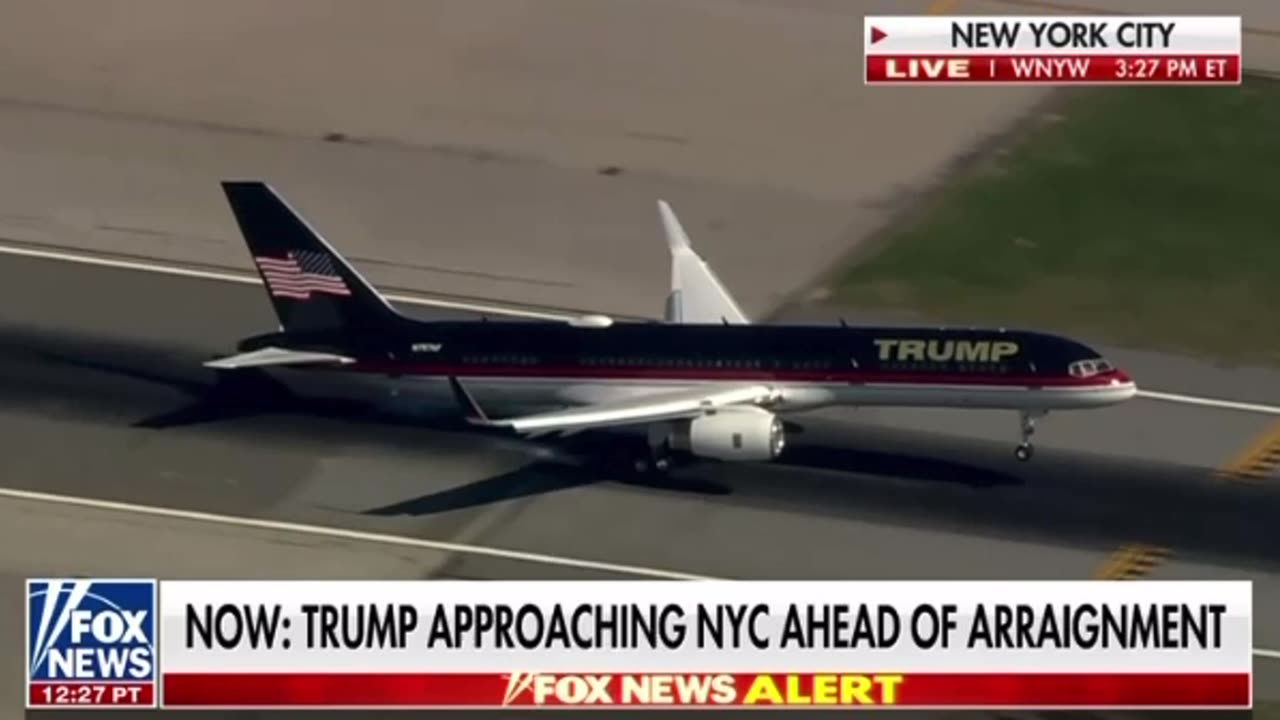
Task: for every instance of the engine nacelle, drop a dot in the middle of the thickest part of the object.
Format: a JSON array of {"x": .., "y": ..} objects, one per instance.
[{"x": 735, "y": 434}]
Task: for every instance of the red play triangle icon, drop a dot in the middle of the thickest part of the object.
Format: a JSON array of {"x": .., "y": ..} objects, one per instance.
[{"x": 877, "y": 34}]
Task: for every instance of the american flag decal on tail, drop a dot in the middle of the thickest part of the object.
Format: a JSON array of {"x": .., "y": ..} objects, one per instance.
[{"x": 301, "y": 273}]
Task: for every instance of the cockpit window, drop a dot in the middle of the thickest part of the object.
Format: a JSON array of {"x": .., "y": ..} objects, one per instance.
[{"x": 1089, "y": 368}]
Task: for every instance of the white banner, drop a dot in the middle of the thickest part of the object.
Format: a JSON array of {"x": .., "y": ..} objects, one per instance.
[
  {"x": 723, "y": 627},
  {"x": 1050, "y": 35}
]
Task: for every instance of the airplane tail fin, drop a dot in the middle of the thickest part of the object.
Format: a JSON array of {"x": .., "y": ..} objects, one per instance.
[
  {"x": 310, "y": 285},
  {"x": 697, "y": 296}
]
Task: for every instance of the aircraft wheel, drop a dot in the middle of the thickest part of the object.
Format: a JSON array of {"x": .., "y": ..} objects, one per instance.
[
  {"x": 652, "y": 466},
  {"x": 1024, "y": 452}
]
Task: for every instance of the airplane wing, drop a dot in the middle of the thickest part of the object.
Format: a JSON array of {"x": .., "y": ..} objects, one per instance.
[
  {"x": 697, "y": 296},
  {"x": 676, "y": 405},
  {"x": 274, "y": 356}
]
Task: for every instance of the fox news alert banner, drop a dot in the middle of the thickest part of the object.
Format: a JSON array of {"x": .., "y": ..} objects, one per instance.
[
  {"x": 636, "y": 644},
  {"x": 1053, "y": 50}
]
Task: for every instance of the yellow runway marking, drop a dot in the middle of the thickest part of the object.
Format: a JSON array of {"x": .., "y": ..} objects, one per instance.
[
  {"x": 1258, "y": 460},
  {"x": 1132, "y": 562}
]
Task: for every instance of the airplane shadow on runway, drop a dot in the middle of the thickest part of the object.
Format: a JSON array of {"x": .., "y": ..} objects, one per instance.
[
  {"x": 538, "y": 478},
  {"x": 545, "y": 477}
]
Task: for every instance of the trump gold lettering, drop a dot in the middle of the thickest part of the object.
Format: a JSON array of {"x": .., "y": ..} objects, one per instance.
[{"x": 969, "y": 351}]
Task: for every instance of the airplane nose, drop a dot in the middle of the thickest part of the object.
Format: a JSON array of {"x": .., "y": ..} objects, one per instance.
[{"x": 1122, "y": 379}]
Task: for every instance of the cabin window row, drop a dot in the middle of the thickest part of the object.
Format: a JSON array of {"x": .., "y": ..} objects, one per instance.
[
  {"x": 726, "y": 363},
  {"x": 938, "y": 367},
  {"x": 673, "y": 362},
  {"x": 503, "y": 359}
]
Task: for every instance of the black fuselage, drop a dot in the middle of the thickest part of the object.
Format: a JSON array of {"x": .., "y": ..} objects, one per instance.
[{"x": 705, "y": 352}]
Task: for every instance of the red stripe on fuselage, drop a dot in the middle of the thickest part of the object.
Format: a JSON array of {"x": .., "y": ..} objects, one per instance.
[{"x": 569, "y": 372}]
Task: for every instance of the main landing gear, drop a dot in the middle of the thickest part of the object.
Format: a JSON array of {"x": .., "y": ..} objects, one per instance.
[
  {"x": 654, "y": 465},
  {"x": 1025, "y": 449},
  {"x": 658, "y": 460}
]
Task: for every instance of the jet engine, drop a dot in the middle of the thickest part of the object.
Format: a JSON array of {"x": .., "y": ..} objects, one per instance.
[{"x": 735, "y": 434}]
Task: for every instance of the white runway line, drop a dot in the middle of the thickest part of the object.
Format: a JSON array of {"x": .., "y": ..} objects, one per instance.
[
  {"x": 345, "y": 534},
  {"x": 1209, "y": 402},
  {"x": 380, "y": 538},
  {"x": 245, "y": 279}
]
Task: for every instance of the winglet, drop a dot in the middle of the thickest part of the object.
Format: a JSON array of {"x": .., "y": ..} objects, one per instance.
[
  {"x": 677, "y": 238},
  {"x": 697, "y": 295},
  {"x": 470, "y": 408}
]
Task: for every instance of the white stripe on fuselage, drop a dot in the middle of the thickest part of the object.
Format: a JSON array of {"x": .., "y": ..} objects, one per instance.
[{"x": 498, "y": 393}]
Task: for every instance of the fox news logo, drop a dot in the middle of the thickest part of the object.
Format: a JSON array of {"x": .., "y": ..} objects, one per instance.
[{"x": 87, "y": 634}]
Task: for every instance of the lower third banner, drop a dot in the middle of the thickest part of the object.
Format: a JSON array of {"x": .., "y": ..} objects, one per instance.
[
  {"x": 474, "y": 690},
  {"x": 635, "y": 644}
]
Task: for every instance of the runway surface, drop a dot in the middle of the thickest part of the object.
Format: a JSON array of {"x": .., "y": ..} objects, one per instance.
[{"x": 90, "y": 356}]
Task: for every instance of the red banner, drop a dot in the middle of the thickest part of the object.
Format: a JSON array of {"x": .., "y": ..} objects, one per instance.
[
  {"x": 474, "y": 690},
  {"x": 1206, "y": 69},
  {"x": 91, "y": 694}
]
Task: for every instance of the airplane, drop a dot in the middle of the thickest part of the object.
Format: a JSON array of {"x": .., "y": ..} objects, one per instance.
[{"x": 704, "y": 382}]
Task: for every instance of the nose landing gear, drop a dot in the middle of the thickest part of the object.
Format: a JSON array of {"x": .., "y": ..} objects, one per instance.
[{"x": 1025, "y": 449}]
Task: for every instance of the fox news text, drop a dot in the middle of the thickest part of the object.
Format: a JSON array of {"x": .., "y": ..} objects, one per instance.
[
  {"x": 704, "y": 644},
  {"x": 91, "y": 643},
  {"x": 1053, "y": 50}
]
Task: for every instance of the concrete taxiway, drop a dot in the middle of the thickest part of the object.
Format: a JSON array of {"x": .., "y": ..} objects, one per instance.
[
  {"x": 97, "y": 384},
  {"x": 510, "y": 149}
]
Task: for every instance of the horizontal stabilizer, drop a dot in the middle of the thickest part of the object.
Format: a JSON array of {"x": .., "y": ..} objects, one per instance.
[{"x": 273, "y": 356}]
